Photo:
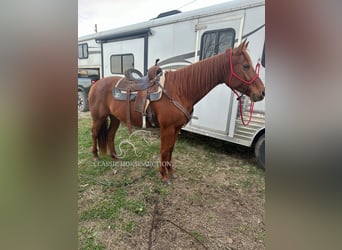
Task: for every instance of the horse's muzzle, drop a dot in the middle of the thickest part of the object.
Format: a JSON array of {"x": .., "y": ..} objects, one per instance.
[{"x": 258, "y": 98}]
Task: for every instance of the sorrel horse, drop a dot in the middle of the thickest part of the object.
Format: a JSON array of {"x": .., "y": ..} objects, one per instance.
[{"x": 184, "y": 88}]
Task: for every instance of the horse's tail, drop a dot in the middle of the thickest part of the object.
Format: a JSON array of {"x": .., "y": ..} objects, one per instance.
[{"x": 102, "y": 137}]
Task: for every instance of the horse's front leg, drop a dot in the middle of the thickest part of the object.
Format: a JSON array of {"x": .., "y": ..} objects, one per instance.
[
  {"x": 114, "y": 125},
  {"x": 168, "y": 139}
]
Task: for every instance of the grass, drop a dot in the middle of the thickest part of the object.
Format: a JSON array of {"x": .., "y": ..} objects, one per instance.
[
  {"x": 198, "y": 235},
  {"x": 219, "y": 191},
  {"x": 113, "y": 204},
  {"x": 107, "y": 209},
  {"x": 87, "y": 238}
]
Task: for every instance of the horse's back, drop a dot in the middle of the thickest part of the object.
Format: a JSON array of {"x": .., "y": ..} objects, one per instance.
[{"x": 100, "y": 95}]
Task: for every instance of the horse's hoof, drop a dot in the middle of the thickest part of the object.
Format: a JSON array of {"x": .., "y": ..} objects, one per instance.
[
  {"x": 173, "y": 176},
  {"x": 166, "y": 182},
  {"x": 115, "y": 158},
  {"x": 96, "y": 159}
]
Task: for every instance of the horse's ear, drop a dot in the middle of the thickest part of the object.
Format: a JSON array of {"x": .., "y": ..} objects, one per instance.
[
  {"x": 246, "y": 44},
  {"x": 240, "y": 48}
]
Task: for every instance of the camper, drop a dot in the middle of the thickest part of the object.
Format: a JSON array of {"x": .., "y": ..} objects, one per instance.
[{"x": 179, "y": 39}]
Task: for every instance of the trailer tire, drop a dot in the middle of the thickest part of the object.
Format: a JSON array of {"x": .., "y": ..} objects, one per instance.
[
  {"x": 259, "y": 151},
  {"x": 82, "y": 102}
]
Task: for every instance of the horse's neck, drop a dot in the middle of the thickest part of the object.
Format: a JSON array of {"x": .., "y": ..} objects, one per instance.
[{"x": 195, "y": 81}]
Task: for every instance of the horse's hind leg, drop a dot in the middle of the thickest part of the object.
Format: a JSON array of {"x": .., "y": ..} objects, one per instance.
[
  {"x": 97, "y": 124},
  {"x": 114, "y": 125}
]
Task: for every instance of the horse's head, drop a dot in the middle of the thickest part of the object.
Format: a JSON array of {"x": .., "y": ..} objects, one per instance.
[{"x": 243, "y": 77}]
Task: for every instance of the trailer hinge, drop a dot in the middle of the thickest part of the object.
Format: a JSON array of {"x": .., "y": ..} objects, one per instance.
[{"x": 200, "y": 27}]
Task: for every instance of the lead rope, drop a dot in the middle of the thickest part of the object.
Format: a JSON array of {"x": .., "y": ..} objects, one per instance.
[
  {"x": 251, "y": 108},
  {"x": 239, "y": 97}
]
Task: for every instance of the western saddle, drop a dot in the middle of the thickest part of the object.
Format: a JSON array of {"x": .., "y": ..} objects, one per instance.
[{"x": 142, "y": 89}]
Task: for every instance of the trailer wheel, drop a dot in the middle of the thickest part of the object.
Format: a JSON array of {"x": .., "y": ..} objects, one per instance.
[
  {"x": 259, "y": 151},
  {"x": 82, "y": 102}
]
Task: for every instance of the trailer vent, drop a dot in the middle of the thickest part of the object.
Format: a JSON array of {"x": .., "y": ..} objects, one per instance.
[{"x": 168, "y": 13}]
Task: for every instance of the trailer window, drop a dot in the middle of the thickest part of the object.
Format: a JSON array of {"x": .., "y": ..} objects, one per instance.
[
  {"x": 216, "y": 41},
  {"x": 83, "y": 51},
  {"x": 120, "y": 63}
]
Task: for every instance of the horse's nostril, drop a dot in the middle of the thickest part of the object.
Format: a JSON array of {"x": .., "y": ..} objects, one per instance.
[{"x": 263, "y": 93}]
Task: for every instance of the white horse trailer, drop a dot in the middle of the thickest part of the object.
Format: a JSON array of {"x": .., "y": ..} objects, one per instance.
[
  {"x": 179, "y": 39},
  {"x": 89, "y": 54}
]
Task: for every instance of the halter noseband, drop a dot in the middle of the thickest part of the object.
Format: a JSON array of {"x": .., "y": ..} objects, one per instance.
[{"x": 248, "y": 83}]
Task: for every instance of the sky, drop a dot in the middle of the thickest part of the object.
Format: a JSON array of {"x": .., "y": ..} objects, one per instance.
[{"x": 110, "y": 14}]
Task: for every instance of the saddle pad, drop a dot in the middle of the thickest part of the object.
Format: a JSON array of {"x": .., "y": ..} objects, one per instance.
[{"x": 121, "y": 95}]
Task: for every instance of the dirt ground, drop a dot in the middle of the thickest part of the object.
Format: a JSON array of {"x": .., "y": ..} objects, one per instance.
[{"x": 217, "y": 201}]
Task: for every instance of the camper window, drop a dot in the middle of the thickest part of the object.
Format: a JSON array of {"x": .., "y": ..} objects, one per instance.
[
  {"x": 216, "y": 41},
  {"x": 120, "y": 63},
  {"x": 83, "y": 51}
]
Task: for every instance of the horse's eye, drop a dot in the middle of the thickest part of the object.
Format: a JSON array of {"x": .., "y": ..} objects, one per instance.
[{"x": 246, "y": 66}]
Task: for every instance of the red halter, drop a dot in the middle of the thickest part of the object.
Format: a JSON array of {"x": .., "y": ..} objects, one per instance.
[{"x": 232, "y": 73}]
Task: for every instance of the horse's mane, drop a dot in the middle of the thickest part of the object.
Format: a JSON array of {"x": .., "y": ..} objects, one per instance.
[{"x": 199, "y": 77}]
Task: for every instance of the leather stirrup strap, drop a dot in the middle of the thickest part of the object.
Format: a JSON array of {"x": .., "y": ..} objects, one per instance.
[{"x": 128, "y": 113}]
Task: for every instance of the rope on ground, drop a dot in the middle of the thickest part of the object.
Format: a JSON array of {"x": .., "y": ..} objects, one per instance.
[
  {"x": 153, "y": 224},
  {"x": 108, "y": 184},
  {"x": 155, "y": 221},
  {"x": 185, "y": 231}
]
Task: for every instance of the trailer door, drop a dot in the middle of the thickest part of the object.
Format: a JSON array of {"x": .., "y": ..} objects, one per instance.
[{"x": 214, "y": 35}]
